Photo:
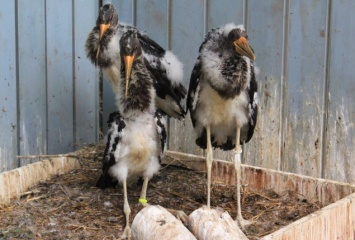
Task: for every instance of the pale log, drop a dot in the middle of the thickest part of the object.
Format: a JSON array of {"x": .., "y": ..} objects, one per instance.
[
  {"x": 210, "y": 224},
  {"x": 155, "y": 222}
]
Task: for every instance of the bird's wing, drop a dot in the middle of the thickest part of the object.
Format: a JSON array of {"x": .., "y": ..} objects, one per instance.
[
  {"x": 253, "y": 107},
  {"x": 167, "y": 72},
  {"x": 161, "y": 131},
  {"x": 116, "y": 124},
  {"x": 194, "y": 89},
  {"x": 91, "y": 44}
]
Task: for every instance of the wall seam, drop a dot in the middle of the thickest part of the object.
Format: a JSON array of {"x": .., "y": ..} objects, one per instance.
[
  {"x": 325, "y": 103},
  {"x": 283, "y": 97}
]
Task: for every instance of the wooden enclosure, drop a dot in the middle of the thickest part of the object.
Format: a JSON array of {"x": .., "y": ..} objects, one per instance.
[
  {"x": 335, "y": 221},
  {"x": 50, "y": 94}
]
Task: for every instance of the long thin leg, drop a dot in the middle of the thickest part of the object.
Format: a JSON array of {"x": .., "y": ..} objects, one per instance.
[
  {"x": 143, "y": 198},
  {"x": 209, "y": 160},
  {"x": 178, "y": 214},
  {"x": 127, "y": 212},
  {"x": 237, "y": 166}
]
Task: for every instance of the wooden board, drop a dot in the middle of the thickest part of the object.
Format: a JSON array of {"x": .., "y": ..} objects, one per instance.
[{"x": 15, "y": 182}]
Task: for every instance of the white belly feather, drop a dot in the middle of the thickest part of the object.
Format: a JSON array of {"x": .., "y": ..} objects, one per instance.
[
  {"x": 223, "y": 116},
  {"x": 137, "y": 153}
]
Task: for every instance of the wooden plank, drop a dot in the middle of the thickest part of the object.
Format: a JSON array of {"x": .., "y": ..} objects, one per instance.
[
  {"x": 266, "y": 36},
  {"x": 340, "y": 135},
  {"x": 15, "y": 182},
  {"x": 305, "y": 87},
  {"x": 60, "y": 76},
  {"x": 32, "y": 76},
  {"x": 86, "y": 77},
  {"x": 335, "y": 221},
  {"x": 258, "y": 179},
  {"x": 8, "y": 92}
]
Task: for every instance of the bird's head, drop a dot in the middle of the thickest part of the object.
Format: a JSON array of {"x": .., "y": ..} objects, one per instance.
[
  {"x": 239, "y": 40},
  {"x": 107, "y": 19},
  {"x": 131, "y": 50}
]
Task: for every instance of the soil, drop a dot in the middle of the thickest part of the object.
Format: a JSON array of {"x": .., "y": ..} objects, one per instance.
[{"x": 69, "y": 206}]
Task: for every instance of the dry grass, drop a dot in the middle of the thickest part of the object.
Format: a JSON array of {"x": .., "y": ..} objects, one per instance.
[{"x": 70, "y": 207}]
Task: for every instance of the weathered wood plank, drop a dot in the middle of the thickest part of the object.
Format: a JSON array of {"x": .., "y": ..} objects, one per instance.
[
  {"x": 86, "y": 77},
  {"x": 15, "y": 182},
  {"x": 8, "y": 85},
  {"x": 32, "y": 78},
  {"x": 335, "y": 221},
  {"x": 60, "y": 76}
]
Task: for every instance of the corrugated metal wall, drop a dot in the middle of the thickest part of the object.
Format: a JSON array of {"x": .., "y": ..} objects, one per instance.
[{"x": 49, "y": 91}]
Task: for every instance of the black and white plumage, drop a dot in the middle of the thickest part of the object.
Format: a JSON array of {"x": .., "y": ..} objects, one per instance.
[
  {"x": 102, "y": 47},
  {"x": 222, "y": 96},
  {"x": 136, "y": 135}
]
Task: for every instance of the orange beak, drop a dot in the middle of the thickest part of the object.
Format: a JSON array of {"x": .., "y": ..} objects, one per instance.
[
  {"x": 103, "y": 29},
  {"x": 128, "y": 62},
  {"x": 242, "y": 47}
]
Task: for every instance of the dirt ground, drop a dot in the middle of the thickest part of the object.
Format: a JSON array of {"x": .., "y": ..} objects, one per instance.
[{"x": 69, "y": 206}]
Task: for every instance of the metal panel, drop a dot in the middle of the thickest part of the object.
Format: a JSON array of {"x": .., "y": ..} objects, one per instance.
[
  {"x": 8, "y": 84},
  {"x": 306, "y": 82},
  {"x": 152, "y": 18},
  {"x": 266, "y": 26},
  {"x": 220, "y": 13},
  {"x": 86, "y": 77},
  {"x": 340, "y": 135},
  {"x": 187, "y": 28},
  {"x": 32, "y": 78},
  {"x": 60, "y": 76}
]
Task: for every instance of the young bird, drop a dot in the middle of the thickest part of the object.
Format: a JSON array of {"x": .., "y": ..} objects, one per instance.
[
  {"x": 103, "y": 49},
  {"x": 136, "y": 135},
  {"x": 222, "y": 96}
]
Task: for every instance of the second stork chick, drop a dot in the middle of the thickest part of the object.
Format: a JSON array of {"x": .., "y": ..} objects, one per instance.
[{"x": 136, "y": 135}]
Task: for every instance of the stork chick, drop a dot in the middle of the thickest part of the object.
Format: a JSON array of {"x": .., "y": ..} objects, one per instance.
[
  {"x": 222, "y": 97},
  {"x": 136, "y": 137},
  {"x": 103, "y": 49}
]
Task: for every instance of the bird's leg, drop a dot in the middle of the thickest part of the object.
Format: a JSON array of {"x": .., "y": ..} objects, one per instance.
[
  {"x": 127, "y": 211},
  {"x": 237, "y": 166},
  {"x": 143, "y": 197},
  {"x": 142, "y": 200},
  {"x": 209, "y": 160}
]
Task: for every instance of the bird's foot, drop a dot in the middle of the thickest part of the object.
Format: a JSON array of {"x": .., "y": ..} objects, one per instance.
[
  {"x": 243, "y": 223},
  {"x": 127, "y": 234},
  {"x": 143, "y": 202},
  {"x": 180, "y": 215}
]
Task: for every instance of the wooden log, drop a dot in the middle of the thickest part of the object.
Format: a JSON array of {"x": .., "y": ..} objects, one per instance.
[
  {"x": 210, "y": 224},
  {"x": 155, "y": 222}
]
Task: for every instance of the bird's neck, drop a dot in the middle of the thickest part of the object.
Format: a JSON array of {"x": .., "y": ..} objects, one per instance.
[{"x": 141, "y": 93}]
